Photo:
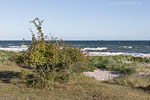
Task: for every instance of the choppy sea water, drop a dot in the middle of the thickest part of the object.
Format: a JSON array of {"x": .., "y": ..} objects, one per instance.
[{"x": 136, "y": 48}]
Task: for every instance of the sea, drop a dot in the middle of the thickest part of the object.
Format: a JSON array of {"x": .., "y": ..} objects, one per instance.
[{"x": 97, "y": 47}]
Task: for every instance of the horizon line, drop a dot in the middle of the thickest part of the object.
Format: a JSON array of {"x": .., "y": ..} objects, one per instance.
[{"x": 84, "y": 40}]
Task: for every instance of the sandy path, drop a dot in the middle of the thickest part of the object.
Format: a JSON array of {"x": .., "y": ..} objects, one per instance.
[{"x": 103, "y": 75}]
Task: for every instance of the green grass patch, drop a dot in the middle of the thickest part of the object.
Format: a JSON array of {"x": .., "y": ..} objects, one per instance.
[
  {"x": 134, "y": 80},
  {"x": 114, "y": 63},
  {"x": 140, "y": 59},
  {"x": 6, "y": 56},
  {"x": 122, "y": 63}
]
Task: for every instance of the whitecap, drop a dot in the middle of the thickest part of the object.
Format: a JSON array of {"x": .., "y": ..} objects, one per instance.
[
  {"x": 15, "y": 48},
  {"x": 126, "y": 47},
  {"x": 94, "y": 49}
]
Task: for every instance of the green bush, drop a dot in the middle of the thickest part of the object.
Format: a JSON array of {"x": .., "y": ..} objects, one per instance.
[
  {"x": 91, "y": 63},
  {"x": 140, "y": 59},
  {"x": 102, "y": 62},
  {"x": 51, "y": 60},
  {"x": 128, "y": 70}
]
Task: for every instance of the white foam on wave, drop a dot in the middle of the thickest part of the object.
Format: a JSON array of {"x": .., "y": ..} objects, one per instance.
[
  {"x": 22, "y": 46},
  {"x": 15, "y": 48},
  {"x": 126, "y": 47},
  {"x": 25, "y": 47},
  {"x": 118, "y": 53},
  {"x": 94, "y": 49}
]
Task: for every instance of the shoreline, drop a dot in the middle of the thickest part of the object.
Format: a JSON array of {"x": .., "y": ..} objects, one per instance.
[
  {"x": 14, "y": 49},
  {"x": 18, "y": 49},
  {"x": 117, "y": 54}
]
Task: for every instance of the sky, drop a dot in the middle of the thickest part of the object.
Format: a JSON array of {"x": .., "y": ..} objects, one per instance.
[{"x": 77, "y": 19}]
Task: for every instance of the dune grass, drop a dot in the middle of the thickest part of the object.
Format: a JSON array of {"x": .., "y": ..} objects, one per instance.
[
  {"x": 5, "y": 56},
  {"x": 135, "y": 70},
  {"x": 134, "y": 80},
  {"x": 81, "y": 88},
  {"x": 125, "y": 64}
]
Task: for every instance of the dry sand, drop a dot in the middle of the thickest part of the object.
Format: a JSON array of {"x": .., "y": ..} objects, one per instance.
[{"x": 103, "y": 75}]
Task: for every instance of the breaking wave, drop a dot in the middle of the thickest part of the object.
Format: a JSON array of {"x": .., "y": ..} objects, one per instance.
[
  {"x": 118, "y": 53},
  {"x": 94, "y": 49}
]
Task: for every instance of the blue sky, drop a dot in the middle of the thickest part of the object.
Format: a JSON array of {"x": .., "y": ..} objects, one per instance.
[{"x": 77, "y": 19}]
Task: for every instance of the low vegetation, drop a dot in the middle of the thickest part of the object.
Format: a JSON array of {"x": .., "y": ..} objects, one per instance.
[
  {"x": 114, "y": 63},
  {"x": 124, "y": 64},
  {"x": 135, "y": 70},
  {"x": 5, "y": 56},
  {"x": 136, "y": 81},
  {"x": 80, "y": 88}
]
